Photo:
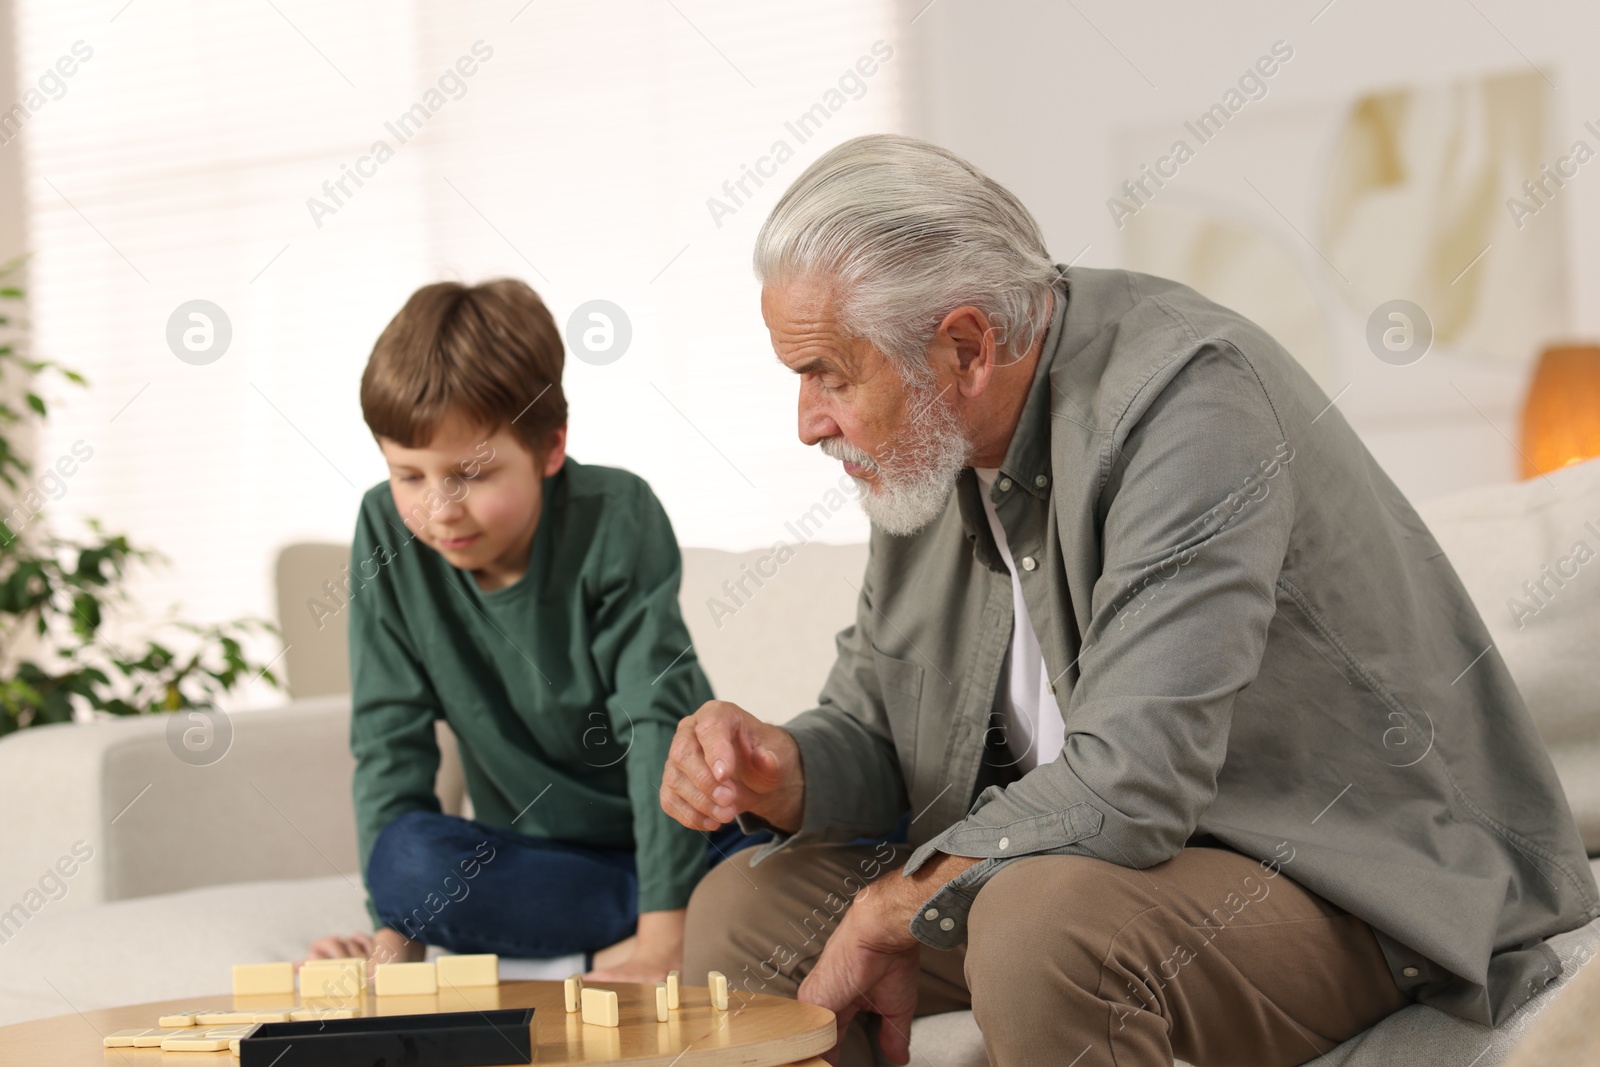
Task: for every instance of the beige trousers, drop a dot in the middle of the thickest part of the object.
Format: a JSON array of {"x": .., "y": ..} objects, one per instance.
[{"x": 1076, "y": 961}]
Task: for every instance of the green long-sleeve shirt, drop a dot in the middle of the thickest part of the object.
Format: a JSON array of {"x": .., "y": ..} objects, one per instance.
[{"x": 563, "y": 688}]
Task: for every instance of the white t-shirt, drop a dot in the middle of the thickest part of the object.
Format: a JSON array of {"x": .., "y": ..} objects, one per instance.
[{"x": 1034, "y": 726}]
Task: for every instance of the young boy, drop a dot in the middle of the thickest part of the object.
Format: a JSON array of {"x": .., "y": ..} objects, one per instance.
[{"x": 531, "y": 602}]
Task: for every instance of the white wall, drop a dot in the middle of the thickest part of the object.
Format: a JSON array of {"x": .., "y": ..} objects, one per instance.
[
  {"x": 12, "y": 229},
  {"x": 1035, "y": 92},
  {"x": 179, "y": 164},
  {"x": 13, "y": 243}
]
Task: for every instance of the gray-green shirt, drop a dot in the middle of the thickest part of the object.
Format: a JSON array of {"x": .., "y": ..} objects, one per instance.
[{"x": 1252, "y": 636}]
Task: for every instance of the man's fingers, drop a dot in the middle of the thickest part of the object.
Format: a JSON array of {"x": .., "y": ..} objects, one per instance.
[
  {"x": 688, "y": 754},
  {"x": 894, "y": 1038},
  {"x": 844, "y": 1018},
  {"x": 817, "y": 992},
  {"x": 685, "y": 803},
  {"x": 674, "y": 779},
  {"x": 735, "y": 797},
  {"x": 766, "y": 768},
  {"x": 687, "y": 775},
  {"x": 676, "y": 806},
  {"x": 715, "y": 734}
]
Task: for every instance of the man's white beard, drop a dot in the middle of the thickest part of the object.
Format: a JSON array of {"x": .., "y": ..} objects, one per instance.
[{"x": 920, "y": 466}]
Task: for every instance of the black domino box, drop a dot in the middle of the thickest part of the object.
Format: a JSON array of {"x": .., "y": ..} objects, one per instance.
[{"x": 448, "y": 1039}]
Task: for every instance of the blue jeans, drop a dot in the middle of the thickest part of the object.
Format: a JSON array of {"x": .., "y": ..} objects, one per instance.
[{"x": 468, "y": 887}]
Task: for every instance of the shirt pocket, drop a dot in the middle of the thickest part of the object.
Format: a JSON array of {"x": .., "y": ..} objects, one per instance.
[{"x": 900, "y": 683}]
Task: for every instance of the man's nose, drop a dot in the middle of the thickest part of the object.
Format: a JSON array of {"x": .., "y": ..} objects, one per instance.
[{"x": 815, "y": 423}]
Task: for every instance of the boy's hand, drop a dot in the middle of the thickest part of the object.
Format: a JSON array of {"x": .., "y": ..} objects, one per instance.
[
  {"x": 724, "y": 761},
  {"x": 386, "y": 946},
  {"x": 337, "y": 947}
]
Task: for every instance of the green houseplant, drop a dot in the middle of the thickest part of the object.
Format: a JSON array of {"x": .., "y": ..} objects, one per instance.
[{"x": 58, "y": 592}]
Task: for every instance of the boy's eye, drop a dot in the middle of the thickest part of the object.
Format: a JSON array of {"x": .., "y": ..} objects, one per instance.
[{"x": 411, "y": 477}]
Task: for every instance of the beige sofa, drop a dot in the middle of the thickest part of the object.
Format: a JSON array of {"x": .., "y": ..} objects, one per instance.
[{"x": 177, "y": 871}]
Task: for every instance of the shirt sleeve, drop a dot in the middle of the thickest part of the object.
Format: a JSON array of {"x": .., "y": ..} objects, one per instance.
[
  {"x": 1199, "y": 508},
  {"x": 393, "y": 705},
  {"x": 642, "y": 647}
]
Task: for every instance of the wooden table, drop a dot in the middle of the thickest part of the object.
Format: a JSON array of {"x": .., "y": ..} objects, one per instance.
[{"x": 758, "y": 1031}]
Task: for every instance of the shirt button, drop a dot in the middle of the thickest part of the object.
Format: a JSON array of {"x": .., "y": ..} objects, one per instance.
[
  {"x": 1029, "y": 563},
  {"x": 1410, "y": 972},
  {"x": 1005, "y": 483},
  {"x": 1041, "y": 481},
  {"x": 1005, "y": 843},
  {"x": 947, "y": 924},
  {"x": 931, "y": 914}
]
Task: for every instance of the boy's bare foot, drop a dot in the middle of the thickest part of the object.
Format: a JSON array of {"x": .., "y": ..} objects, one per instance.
[
  {"x": 391, "y": 946},
  {"x": 616, "y": 954}
]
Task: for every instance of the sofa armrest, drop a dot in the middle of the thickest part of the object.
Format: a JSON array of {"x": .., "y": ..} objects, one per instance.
[{"x": 110, "y": 802}]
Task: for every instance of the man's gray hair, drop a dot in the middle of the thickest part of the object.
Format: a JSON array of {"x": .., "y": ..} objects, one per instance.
[{"x": 908, "y": 231}]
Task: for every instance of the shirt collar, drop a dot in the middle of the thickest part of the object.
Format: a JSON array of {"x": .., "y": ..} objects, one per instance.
[
  {"x": 1028, "y": 455},
  {"x": 1027, "y": 461}
]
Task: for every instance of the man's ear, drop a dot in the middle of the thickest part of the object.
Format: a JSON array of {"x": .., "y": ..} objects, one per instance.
[
  {"x": 557, "y": 454},
  {"x": 969, "y": 339}
]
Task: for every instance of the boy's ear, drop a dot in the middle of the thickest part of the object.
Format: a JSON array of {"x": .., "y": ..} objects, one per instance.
[{"x": 557, "y": 454}]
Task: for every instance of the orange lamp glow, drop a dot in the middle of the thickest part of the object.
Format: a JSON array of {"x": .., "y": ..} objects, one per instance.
[{"x": 1561, "y": 417}]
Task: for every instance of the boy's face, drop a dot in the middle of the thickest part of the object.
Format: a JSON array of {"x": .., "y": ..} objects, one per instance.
[{"x": 473, "y": 496}]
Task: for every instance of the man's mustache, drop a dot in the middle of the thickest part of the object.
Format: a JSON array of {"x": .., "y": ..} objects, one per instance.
[{"x": 840, "y": 449}]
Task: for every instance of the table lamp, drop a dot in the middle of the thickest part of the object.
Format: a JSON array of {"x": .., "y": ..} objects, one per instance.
[{"x": 1561, "y": 417}]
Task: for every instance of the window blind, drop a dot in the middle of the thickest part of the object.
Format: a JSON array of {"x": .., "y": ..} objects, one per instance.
[{"x": 303, "y": 167}]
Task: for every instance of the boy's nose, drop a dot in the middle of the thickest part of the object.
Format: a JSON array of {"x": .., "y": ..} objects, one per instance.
[{"x": 449, "y": 511}]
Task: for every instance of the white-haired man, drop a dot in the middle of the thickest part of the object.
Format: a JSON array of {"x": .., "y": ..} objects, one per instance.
[{"x": 1201, "y": 745}]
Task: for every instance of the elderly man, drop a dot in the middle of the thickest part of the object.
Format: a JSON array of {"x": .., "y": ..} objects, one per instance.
[{"x": 1203, "y": 748}]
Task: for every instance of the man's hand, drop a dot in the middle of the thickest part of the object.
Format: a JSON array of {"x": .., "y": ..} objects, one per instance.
[
  {"x": 724, "y": 761},
  {"x": 871, "y": 962}
]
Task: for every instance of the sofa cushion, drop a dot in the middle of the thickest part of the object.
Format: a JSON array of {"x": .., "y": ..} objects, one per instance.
[
  {"x": 185, "y": 944},
  {"x": 139, "y": 820},
  {"x": 171, "y": 945},
  {"x": 1419, "y": 1036},
  {"x": 1529, "y": 554},
  {"x": 763, "y": 622}
]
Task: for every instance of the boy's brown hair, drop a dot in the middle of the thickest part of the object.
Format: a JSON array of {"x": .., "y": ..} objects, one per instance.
[{"x": 491, "y": 352}]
